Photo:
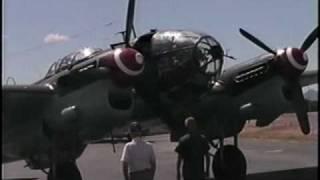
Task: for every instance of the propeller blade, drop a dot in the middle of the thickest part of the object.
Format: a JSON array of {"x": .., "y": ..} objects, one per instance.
[
  {"x": 129, "y": 23},
  {"x": 256, "y": 41},
  {"x": 300, "y": 107},
  {"x": 309, "y": 40}
]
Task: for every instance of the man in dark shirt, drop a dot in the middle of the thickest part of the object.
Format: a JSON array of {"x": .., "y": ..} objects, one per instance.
[{"x": 192, "y": 150}]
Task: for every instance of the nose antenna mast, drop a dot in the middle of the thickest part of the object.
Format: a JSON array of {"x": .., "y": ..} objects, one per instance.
[{"x": 228, "y": 56}]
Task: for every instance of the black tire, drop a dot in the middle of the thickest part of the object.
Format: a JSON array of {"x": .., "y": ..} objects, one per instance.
[
  {"x": 65, "y": 171},
  {"x": 235, "y": 165}
]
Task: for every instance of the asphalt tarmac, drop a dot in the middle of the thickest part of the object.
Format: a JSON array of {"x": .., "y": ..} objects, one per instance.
[{"x": 266, "y": 159}]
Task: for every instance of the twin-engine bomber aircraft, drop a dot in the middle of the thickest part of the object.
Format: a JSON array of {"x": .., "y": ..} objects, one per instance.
[{"x": 176, "y": 72}]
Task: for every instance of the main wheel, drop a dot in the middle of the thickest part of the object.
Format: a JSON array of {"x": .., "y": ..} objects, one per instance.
[
  {"x": 65, "y": 171},
  {"x": 233, "y": 166}
]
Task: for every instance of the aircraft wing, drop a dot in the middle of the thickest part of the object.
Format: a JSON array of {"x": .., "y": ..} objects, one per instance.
[
  {"x": 306, "y": 79},
  {"x": 21, "y": 106},
  {"x": 19, "y": 98},
  {"x": 309, "y": 77}
]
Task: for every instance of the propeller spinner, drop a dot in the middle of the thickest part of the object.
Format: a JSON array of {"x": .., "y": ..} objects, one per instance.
[{"x": 291, "y": 62}]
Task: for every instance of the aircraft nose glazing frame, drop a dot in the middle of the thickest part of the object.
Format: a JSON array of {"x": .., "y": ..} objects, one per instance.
[{"x": 209, "y": 55}]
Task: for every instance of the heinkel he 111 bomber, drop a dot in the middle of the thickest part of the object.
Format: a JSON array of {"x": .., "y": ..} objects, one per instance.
[{"x": 177, "y": 73}]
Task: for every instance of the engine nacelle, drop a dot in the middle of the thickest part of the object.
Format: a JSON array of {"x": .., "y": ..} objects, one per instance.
[{"x": 124, "y": 63}]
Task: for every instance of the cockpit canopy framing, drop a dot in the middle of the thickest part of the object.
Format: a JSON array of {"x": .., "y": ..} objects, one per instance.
[{"x": 72, "y": 59}]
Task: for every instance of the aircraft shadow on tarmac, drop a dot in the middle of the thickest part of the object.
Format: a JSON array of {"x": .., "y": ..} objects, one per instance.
[
  {"x": 290, "y": 174},
  {"x": 309, "y": 173},
  {"x": 21, "y": 179}
]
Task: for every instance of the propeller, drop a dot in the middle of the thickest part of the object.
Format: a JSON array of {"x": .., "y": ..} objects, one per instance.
[
  {"x": 300, "y": 107},
  {"x": 297, "y": 100},
  {"x": 309, "y": 40},
  {"x": 129, "y": 23},
  {"x": 257, "y": 41}
]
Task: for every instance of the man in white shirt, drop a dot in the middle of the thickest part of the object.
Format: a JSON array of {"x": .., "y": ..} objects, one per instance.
[{"x": 138, "y": 158}]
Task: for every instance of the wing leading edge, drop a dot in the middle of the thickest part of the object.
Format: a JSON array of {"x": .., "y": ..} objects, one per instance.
[
  {"x": 20, "y": 98},
  {"x": 309, "y": 78}
]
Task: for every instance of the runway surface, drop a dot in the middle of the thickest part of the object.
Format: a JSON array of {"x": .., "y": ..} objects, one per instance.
[{"x": 266, "y": 159}]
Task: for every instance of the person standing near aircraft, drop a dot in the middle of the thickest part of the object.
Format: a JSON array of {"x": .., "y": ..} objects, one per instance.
[
  {"x": 191, "y": 149},
  {"x": 138, "y": 157}
]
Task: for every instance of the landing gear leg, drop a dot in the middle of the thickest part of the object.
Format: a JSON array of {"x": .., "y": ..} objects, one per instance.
[
  {"x": 62, "y": 168},
  {"x": 229, "y": 162},
  {"x": 64, "y": 171},
  {"x": 235, "y": 140}
]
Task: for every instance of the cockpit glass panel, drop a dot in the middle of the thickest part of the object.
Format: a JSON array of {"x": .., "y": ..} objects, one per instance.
[
  {"x": 71, "y": 59},
  {"x": 209, "y": 55},
  {"x": 174, "y": 59},
  {"x": 84, "y": 53},
  {"x": 79, "y": 55},
  {"x": 52, "y": 69}
]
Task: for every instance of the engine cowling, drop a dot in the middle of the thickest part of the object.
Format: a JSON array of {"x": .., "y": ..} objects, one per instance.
[
  {"x": 125, "y": 64},
  {"x": 291, "y": 62}
]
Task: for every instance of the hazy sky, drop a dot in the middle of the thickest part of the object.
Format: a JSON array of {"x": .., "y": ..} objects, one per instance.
[{"x": 38, "y": 32}]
